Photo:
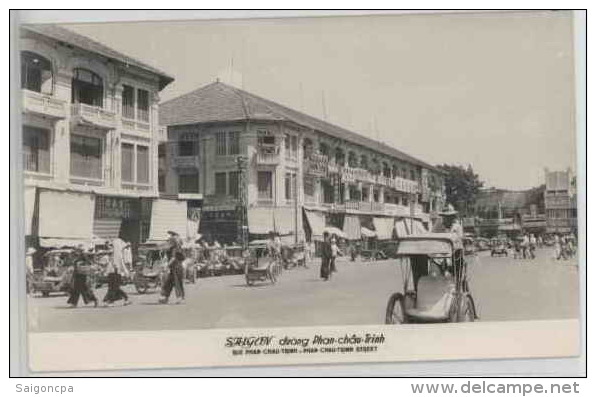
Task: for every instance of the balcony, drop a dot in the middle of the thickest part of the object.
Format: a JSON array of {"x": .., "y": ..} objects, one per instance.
[
  {"x": 316, "y": 164},
  {"x": 268, "y": 154},
  {"x": 93, "y": 116},
  {"x": 136, "y": 125},
  {"x": 43, "y": 104},
  {"x": 186, "y": 162},
  {"x": 405, "y": 185}
]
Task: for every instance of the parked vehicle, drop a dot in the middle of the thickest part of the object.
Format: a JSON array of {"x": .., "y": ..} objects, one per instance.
[
  {"x": 260, "y": 265},
  {"x": 150, "y": 267},
  {"x": 434, "y": 282},
  {"x": 55, "y": 274}
]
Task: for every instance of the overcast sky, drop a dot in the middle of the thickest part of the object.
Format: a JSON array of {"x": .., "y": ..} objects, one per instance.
[{"x": 495, "y": 91}]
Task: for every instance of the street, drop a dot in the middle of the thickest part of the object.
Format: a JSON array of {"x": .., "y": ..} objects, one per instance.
[{"x": 503, "y": 288}]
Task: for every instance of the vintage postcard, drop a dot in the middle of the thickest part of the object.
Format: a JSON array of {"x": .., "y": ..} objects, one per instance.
[{"x": 276, "y": 191}]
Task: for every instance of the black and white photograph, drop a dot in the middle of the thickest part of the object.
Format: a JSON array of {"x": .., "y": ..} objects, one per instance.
[{"x": 389, "y": 174}]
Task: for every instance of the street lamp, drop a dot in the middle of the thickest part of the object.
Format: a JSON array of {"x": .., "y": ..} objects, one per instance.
[{"x": 242, "y": 163}]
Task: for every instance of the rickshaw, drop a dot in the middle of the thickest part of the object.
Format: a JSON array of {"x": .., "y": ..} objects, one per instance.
[
  {"x": 260, "y": 265},
  {"x": 233, "y": 259},
  {"x": 499, "y": 248},
  {"x": 435, "y": 285},
  {"x": 293, "y": 256},
  {"x": 150, "y": 267},
  {"x": 55, "y": 274}
]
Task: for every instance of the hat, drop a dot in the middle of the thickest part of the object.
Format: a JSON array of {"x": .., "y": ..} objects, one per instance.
[
  {"x": 31, "y": 251},
  {"x": 448, "y": 210},
  {"x": 172, "y": 233}
]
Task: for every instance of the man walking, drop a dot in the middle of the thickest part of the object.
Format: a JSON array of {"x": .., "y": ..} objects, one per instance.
[
  {"x": 325, "y": 257},
  {"x": 80, "y": 284}
]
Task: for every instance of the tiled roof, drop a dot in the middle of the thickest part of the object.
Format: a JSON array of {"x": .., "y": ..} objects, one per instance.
[
  {"x": 75, "y": 39},
  {"x": 218, "y": 102}
]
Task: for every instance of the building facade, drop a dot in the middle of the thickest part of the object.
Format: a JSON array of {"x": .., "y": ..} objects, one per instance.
[
  {"x": 90, "y": 138},
  {"x": 293, "y": 173},
  {"x": 560, "y": 201}
]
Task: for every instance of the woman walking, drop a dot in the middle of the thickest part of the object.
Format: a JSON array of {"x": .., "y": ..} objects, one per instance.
[
  {"x": 115, "y": 292},
  {"x": 175, "y": 279},
  {"x": 80, "y": 284}
]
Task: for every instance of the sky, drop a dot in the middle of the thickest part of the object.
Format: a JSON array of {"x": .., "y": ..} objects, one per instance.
[{"x": 495, "y": 91}]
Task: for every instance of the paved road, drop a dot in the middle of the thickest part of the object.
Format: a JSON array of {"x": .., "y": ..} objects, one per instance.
[{"x": 504, "y": 289}]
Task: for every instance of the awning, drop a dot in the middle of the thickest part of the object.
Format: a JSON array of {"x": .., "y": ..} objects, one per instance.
[
  {"x": 401, "y": 229},
  {"x": 66, "y": 215},
  {"x": 367, "y": 232},
  {"x": 260, "y": 220},
  {"x": 167, "y": 215},
  {"x": 384, "y": 228},
  {"x": 334, "y": 230},
  {"x": 352, "y": 227},
  {"x": 29, "y": 209},
  {"x": 316, "y": 222},
  {"x": 64, "y": 242},
  {"x": 418, "y": 227}
]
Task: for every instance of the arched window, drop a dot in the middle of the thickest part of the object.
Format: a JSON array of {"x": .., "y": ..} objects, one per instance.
[
  {"x": 364, "y": 162},
  {"x": 340, "y": 156},
  {"x": 386, "y": 170},
  {"x": 36, "y": 72},
  {"x": 87, "y": 88},
  {"x": 352, "y": 159},
  {"x": 307, "y": 148},
  {"x": 324, "y": 149}
]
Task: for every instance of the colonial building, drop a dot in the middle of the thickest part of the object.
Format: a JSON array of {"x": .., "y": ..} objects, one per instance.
[
  {"x": 90, "y": 138},
  {"x": 293, "y": 173},
  {"x": 502, "y": 211},
  {"x": 560, "y": 201}
]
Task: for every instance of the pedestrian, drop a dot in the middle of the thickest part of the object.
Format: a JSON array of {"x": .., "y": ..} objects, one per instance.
[
  {"x": 115, "y": 292},
  {"x": 335, "y": 252},
  {"x": 448, "y": 223},
  {"x": 80, "y": 283},
  {"x": 533, "y": 243},
  {"x": 558, "y": 247},
  {"x": 175, "y": 278},
  {"x": 325, "y": 257}
]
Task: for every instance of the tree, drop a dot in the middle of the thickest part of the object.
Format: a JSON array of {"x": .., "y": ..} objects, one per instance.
[{"x": 461, "y": 187}]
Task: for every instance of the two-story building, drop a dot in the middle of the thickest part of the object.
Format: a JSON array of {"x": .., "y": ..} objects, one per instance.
[
  {"x": 560, "y": 202},
  {"x": 90, "y": 138},
  {"x": 297, "y": 174}
]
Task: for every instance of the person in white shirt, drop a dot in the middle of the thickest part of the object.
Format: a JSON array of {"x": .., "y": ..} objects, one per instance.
[{"x": 448, "y": 223}]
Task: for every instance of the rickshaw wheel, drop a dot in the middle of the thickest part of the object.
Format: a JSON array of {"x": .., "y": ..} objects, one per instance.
[
  {"x": 466, "y": 310},
  {"x": 395, "y": 310}
]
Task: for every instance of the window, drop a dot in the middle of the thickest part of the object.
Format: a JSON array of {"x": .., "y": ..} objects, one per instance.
[
  {"x": 87, "y": 88},
  {"x": 290, "y": 186},
  {"x": 309, "y": 186},
  {"x": 354, "y": 193},
  {"x": 328, "y": 191},
  {"x": 188, "y": 183},
  {"x": 186, "y": 148},
  {"x": 364, "y": 162},
  {"x": 234, "y": 143},
  {"x": 128, "y": 102},
  {"x": 376, "y": 195},
  {"x": 339, "y": 156},
  {"x": 265, "y": 185},
  {"x": 294, "y": 140},
  {"x": 352, "y": 159},
  {"x": 161, "y": 182},
  {"x": 265, "y": 138},
  {"x": 143, "y": 105},
  {"x": 36, "y": 149},
  {"x": 386, "y": 170},
  {"x": 142, "y": 164},
  {"x": 413, "y": 175},
  {"x": 36, "y": 73},
  {"x": 307, "y": 148},
  {"x": 220, "y": 183},
  {"x": 234, "y": 184},
  {"x": 365, "y": 194},
  {"x": 287, "y": 143},
  {"x": 85, "y": 157},
  {"x": 127, "y": 162},
  {"x": 324, "y": 149},
  {"x": 220, "y": 139}
]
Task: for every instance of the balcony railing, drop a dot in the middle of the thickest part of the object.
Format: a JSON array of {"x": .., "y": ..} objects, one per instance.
[
  {"x": 316, "y": 164},
  {"x": 268, "y": 154},
  {"x": 94, "y": 115},
  {"x": 43, "y": 104},
  {"x": 138, "y": 125}
]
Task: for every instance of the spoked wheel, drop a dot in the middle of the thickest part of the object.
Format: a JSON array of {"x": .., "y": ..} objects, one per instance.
[
  {"x": 395, "y": 310},
  {"x": 466, "y": 310}
]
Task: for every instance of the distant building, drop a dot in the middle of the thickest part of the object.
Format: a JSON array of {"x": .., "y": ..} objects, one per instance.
[
  {"x": 501, "y": 211},
  {"x": 302, "y": 174},
  {"x": 90, "y": 138},
  {"x": 560, "y": 200}
]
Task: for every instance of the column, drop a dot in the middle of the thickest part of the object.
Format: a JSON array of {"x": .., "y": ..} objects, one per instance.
[{"x": 61, "y": 142}]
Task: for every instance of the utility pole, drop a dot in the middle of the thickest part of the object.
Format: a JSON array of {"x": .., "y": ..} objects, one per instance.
[{"x": 242, "y": 162}]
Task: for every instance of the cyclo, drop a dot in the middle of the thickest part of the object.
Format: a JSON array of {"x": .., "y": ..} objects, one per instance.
[
  {"x": 435, "y": 284},
  {"x": 150, "y": 267},
  {"x": 261, "y": 265}
]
